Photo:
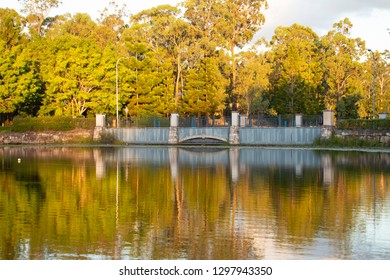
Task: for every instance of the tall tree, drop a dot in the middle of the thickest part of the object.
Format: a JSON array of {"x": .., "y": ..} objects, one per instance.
[
  {"x": 168, "y": 32},
  {"x": 340, "y": 58},
  {"x": 11, "y": 27},
  {"x": 112, "y": 23},
  {"x": 20, "y": 84},
  {"x": 204, "y": 89},
  {"x": 148, "y": 80},
  {"x": 73, "y": 75},
  {"x": 253, "y": 71},
  {"x": 238, "y": 22},
  {"x": 297, "y": 74},
  {"x": 37, "y": 12}
]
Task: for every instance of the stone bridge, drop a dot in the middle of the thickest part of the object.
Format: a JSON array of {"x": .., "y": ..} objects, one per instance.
[
  {"x": 204, "y": 135},
  {"x": 234, "y": 135}
]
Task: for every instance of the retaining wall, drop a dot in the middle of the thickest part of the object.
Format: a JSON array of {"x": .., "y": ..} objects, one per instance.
[
  {"x": 279, "y": 136},
  {"x": 247, "y": 136}
]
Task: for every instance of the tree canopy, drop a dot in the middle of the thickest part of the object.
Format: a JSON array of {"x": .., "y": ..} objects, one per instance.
[{"x": 197, "y": 59}]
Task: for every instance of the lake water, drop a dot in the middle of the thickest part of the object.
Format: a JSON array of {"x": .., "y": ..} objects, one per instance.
[{"x": 193, "y": 203}]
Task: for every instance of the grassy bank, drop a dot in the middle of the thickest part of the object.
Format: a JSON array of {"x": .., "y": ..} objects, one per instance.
[{"x": 338, "y": 142}]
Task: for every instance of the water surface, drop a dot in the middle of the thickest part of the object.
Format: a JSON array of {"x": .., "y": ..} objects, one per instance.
[{"x": 193, "y": 203}]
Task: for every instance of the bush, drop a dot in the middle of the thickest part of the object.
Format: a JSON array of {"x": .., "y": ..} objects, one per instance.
[
  {"x": 107, "y": 138},
  {"x": 351, "y": 142},
  {"x": 58, "y": 123},
  {"x": 364, "y": 124}
]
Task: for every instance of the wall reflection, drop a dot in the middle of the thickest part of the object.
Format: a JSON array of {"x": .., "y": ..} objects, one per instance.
[{"x": 193, "y": 203}]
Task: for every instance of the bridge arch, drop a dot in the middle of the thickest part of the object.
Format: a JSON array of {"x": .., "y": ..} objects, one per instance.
[{"x": 203, "y": 139}]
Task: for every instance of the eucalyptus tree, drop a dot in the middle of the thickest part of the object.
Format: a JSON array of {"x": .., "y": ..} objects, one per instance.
[
  {"x": 253, "y": 71},
  {"x": 238, "y": 22},
  {"x": 37, "y": 12},
  {"x": 341, "y": 61},
  {"x": 168, "y": 32},
  {"x": 227, "y": 24},
  {"x": 112, "y": 23},
  {"x": 381, "y": 72}
]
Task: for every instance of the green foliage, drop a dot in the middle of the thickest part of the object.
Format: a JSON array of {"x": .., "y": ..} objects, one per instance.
[
  {"x": 22, "y": 124},
  {"x": 11, "y": 26},
  {"x": 297, "y": 75},
  {"x": 376, "y": 124},
  {"x": 184, "y": 59},
  {"x": 350, "y": 142},
  {"x": 347, "y": 107},
  {"x": 20, "y": 84},
  {"x": 204, "y": 90},
  {"x": 107, "y": 138}
]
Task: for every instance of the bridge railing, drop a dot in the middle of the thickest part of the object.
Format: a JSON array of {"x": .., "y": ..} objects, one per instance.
[
  {"x": 144, "y": 121},
  {"x": 217, "y": 121},
  {"x": 282, "y": 121},
  {"x": 204, "y": 121}
]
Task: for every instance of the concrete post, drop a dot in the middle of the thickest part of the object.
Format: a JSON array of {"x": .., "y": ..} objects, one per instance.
[
  {"x": 235, "y": 119},
  {"x": 328, "y": 124},
  {"x": 173, "y": 137},
  {"x": 242, "y": 121},
  {"x": 328, "y": 117},
  {"x": 101, "y": 120},
  {"x": 174, "y": 120},
  {"x": 298, "y": 120},
  {"x": 99, "y": 127},
  {"x": 234, "y": 131}
]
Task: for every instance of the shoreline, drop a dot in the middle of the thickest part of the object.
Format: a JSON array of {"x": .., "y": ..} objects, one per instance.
[
  {"x": 85, "y": 138},
  {"x": 266, "y": 147}
]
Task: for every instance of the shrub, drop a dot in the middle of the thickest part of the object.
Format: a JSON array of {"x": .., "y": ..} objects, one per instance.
[
  {"x": 107, "y": 138},
  {"x": 377, "y": 124},
  {"x": 351, "y": 142},
  {"x": 57, "y": 123}
]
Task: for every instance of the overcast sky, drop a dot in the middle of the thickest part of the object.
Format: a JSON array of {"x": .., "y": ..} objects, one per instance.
[{"x": 371, "y": 18}]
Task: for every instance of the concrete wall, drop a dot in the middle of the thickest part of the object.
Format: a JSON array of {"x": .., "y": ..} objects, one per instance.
[
  {"x": 279, "y": 136},
  {"x": 248, "y": 136},
  {"x": 141, "y": 135}
]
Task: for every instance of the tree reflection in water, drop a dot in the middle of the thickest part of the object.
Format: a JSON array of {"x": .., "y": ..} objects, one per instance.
[{"x": 193, "y": 203}]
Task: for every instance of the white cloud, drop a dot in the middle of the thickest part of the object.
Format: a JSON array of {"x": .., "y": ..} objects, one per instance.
[{"x": 368, "y": 17}]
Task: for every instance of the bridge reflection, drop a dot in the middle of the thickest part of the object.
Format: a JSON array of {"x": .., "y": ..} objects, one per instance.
[{"x": 237, "y": 161}]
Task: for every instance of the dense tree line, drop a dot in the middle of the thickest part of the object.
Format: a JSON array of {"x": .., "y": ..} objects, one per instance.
[{"x": 197, "y": 59}]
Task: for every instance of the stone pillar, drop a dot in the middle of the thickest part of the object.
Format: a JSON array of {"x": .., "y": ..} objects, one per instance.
[
  {"x": 298, "y": 120},
  {"x": 242, "y": 121},
  {"x": 99, "y": 127},
  {"x": 328, "y": 118},
  {"x": 235, "y": 119},
  {"x": 173, "y": 137},
  {"x": 101, "y": 120},
  {"x": 234, "y": 132},
  {"x": 328, "y": 124}
]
